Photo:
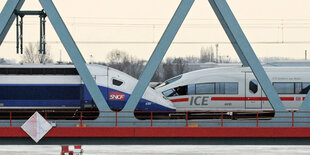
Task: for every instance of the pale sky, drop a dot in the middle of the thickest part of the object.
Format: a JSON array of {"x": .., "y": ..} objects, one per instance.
[{"x": 99, "y": 26}]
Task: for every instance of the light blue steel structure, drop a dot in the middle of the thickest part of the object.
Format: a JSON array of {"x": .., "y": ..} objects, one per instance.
[
  {"x": 230, "y": 34},
  {"x": 245, "y": 51},
  {"x": 229, "y": 23},
  {"x": 158, "y": 54}
]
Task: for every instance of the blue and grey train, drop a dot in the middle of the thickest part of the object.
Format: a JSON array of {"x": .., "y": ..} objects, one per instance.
[{"x": 59, "y": 87}]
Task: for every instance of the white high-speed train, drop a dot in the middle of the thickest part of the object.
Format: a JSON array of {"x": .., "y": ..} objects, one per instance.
[
  {"x": 59, "y": 87},
  {"x": 235, "y": 89}
]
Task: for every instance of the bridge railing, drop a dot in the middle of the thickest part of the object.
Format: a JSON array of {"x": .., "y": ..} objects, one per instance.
[{"x": 153, "y": 118}]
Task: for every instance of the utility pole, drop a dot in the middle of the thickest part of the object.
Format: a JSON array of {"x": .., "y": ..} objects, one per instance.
[
  {"x": 60, "y": 54},
  {"x": 306, "y": 55},
  {"x": 217, "y": 52}
]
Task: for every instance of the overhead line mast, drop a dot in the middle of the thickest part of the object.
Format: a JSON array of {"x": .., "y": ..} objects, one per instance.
[{"x": 19, "y": 27}]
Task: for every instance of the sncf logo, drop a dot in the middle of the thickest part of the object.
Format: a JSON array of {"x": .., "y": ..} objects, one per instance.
[{"x": 116, "y": 96}]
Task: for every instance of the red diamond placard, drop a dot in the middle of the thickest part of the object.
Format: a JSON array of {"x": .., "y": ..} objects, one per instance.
[{"x": 36, "y": 127}]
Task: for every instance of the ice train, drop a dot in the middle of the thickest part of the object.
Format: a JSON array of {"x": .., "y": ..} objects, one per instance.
[
  {"x": 232, "y": 89},
  {"x": 59, "y": 87}
]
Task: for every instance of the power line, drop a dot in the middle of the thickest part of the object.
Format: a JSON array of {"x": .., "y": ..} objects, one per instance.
[{"x": 176, "y": 42}]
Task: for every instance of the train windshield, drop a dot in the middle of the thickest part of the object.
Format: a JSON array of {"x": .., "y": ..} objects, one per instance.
[{"x": 170, "y": 81}]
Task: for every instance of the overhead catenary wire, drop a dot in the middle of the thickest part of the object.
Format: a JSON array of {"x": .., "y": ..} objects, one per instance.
[
  {"x": 176, "y": 42},
  {"x": 157, "y": 23}
]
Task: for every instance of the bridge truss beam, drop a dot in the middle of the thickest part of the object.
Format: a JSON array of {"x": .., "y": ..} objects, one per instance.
[{"x": 245, "y": 50}]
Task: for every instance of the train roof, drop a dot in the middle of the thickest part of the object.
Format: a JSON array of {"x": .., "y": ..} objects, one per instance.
[
  {"x": 43, "y": 65},
  {"x": 93, "y": 68},
  {"x": 229, "y": 70}
]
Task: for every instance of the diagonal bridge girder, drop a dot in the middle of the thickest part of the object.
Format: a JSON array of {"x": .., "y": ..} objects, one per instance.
[
  {"x": 7, "y": 16},
  {"x": 245, "y": 50},
  {"x": 158, "y": 54}
]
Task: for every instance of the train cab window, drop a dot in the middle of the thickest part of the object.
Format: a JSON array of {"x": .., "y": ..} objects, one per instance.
[
  {"x": 170, "y": 81},
  {"x": 182, "y": 90},
  {"x": 305, "y": 88},
  {"x": 284, "y": 87},
  {"x": 178, "y": 91},
  {"x": 205, "y": 88},
  {"x": 231, "y": 88},
  {"x": 117, "y": 82},
  {"x": 253, "y": 86},
  {"x": 169, "y": 93},
  {"x": 191, "y": 89},
  {"x": 173, "y": 79}
]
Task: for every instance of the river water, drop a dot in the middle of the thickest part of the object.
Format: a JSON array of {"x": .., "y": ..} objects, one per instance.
[{"x": 160, "y": 149}]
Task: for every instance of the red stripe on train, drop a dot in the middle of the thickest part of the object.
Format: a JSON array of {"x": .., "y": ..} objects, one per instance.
[
  {"x": 248, "y": 98},
  {"x": 180, "y": 100},
  {"x": 236, "y": 99}
]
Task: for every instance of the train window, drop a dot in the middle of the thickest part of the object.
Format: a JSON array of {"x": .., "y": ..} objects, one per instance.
[
  {"x": 37, "y": 71},
  {"x": 71, "y": 71},
  {"x": 173, "y": 79},
  {"x": 12, "y": 71},
  {"x": 182, "y": 90},
  {"x": 3, "y": 71},
  {"x": 298, "y": 87},
  {"x": 205, "y": 88},
  {"x": 117, "y": 82},
  {"x": 220, "y": 88},
  {"x": 305, "y": 88},
  {"x": 24, "y": 71},
  {"x": 191, "y": 89},
  {"x": 253, "y": 86},
  {"x": 50, "y": 71},
  {"x": 284, "y": 87},
  {"x": 231, "y": 88},
  {"x": 60, "y": 71},
  {"x": 169, "y": 93}
]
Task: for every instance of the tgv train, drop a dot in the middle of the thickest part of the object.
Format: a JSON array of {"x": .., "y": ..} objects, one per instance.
[
  {"x": 59, "y": 87},
  {"x": 235, "y": 89}
]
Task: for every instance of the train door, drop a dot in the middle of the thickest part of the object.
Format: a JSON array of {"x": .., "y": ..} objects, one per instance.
[{"x": 253, "y": 93}]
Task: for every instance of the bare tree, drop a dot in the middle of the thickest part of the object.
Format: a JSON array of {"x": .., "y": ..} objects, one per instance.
[
  {"x": 120, "y": 60},
  {"x": 180, "y": 65},
  {"x": 168, "y": 69},
  {"x": 6, "y": 61},
  {"x": 32, "y": 55},
  {"x": 192, "y": 59},
  {"x": 207, "y": 54}
]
